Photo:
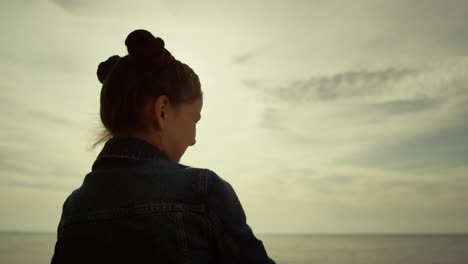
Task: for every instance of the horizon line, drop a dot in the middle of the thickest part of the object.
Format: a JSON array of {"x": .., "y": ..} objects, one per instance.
[{"x": 285, "y": 233}]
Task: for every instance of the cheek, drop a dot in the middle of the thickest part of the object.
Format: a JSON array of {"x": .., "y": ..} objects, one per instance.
[
  {"x": 194, "y": 129},
  {"x": 189, "y": 134}
]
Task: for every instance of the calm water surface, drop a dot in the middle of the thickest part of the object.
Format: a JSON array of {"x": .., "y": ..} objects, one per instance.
[{"x": 29, "y": 247}]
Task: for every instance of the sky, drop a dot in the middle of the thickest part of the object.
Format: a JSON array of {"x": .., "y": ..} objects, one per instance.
[{"x": 325, "y": 116}]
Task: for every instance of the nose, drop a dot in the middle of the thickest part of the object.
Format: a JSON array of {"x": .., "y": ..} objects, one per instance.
[{"x": 194, "y": 141}]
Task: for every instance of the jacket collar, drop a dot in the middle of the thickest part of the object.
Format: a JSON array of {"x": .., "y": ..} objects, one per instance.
[{"x": 131, "y": 148}]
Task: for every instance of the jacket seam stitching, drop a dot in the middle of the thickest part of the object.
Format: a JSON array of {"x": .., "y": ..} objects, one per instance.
[
  {"x": 119, "y": 156},
  {"x": 106, "y": 214},
  {"x": 182, "y": 237}
]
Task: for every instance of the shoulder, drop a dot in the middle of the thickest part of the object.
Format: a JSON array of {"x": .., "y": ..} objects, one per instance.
[
  {"x": 220, "y": 192},
  {"x": 212, "y": 178},
  {"x": 212, "y": 181},
  {"x": 216, "y": 183}
]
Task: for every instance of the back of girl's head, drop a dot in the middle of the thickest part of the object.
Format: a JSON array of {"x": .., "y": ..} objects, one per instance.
[{"x": 148, "y": 71}]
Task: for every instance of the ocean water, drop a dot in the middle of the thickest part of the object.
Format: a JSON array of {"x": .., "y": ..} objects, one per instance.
[{"x": 29, "y": 247}]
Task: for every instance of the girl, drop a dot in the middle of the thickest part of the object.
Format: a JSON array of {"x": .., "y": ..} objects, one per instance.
[{"x": 139, "y": 204}]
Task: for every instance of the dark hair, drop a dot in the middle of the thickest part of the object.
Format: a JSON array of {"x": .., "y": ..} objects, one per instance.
[{"x": 148, "y": 71}]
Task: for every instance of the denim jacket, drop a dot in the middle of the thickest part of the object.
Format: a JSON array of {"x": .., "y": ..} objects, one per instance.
[{"x": 137, "y": 206}]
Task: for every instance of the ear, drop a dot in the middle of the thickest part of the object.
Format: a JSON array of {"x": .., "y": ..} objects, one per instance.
[{"x": 160, "y": 109}]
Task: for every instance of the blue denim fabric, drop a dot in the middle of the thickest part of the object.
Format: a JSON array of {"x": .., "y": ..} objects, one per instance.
[{"x": 136, "y": 206}]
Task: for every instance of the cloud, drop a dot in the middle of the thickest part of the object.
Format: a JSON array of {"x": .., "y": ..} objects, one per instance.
[
  {"x": 22, "y": 164},
  {"x": 436, "y": 150},
  {"x": 107, "y": 9},
  {"x": 399, "y": 106},
  {"x": 360, "y": 189},
  {"x": 88, "y": 7},
  {"x": 40, "y": 61},
  {"x": 29, "y": 153},
  {"x": 53, "y": 185},
  {"x": 342, "y": 85},
  {"x": 6, "y": 166},
  {"x": 244, "y": 58},
  {"x": 50, "y": 118},
  {"x": 400, "y": 120},
  {"x": 42, "y": 47},
  {"x": 17, "y": 111},
  {"x": 375, "y": 126},
  {"x": 252, "y": 83},
  {"x": 71, "y": 5},
  {"x": 403, "y": 29}
]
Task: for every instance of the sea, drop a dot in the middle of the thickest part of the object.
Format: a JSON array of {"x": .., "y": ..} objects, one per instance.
[{"x": 37, "y": 247}]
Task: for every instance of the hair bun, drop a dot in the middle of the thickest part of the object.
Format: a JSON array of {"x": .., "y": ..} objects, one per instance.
[
  {"x": 105, "y": 67},
  {"x": 142, "y": 44}
]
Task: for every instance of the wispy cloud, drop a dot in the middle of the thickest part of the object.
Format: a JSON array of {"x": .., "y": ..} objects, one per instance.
[
  {"x": 50, "y": 118},
  {"x": 366, "y": 189},
  {"x": 252, "y": 83},
  {"x": 105, "y": 9},
  {"x": 88, "y": 7},
  {"x": 244, "y": 58},
  {"x": 28, "y": 133},
  {"x": 16, "y": 167},
  {"x": 44, "y": 185},
  {"x": 71, "y": 5},
  {"x": 371, "y": 133},
  {"x": 435, "y": 150},
  {"x": 360, "y": 105},
  {"x": 19, "y": 111},
  {"x": 342, "y": 85}
]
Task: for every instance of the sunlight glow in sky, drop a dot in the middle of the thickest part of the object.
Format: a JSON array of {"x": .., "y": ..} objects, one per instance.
[{"x": 325, "y": 116}]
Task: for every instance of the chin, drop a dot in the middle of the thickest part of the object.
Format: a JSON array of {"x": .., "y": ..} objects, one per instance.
[{"x": 176, "y": 159}]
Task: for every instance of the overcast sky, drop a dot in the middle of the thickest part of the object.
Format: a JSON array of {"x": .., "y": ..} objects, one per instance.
[{"x": 325, "y": 116}]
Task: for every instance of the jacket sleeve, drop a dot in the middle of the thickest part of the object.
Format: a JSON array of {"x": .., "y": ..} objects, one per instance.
[
  {"x": 58, "y": 254},
  {"x": 235, "y": 239}
]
